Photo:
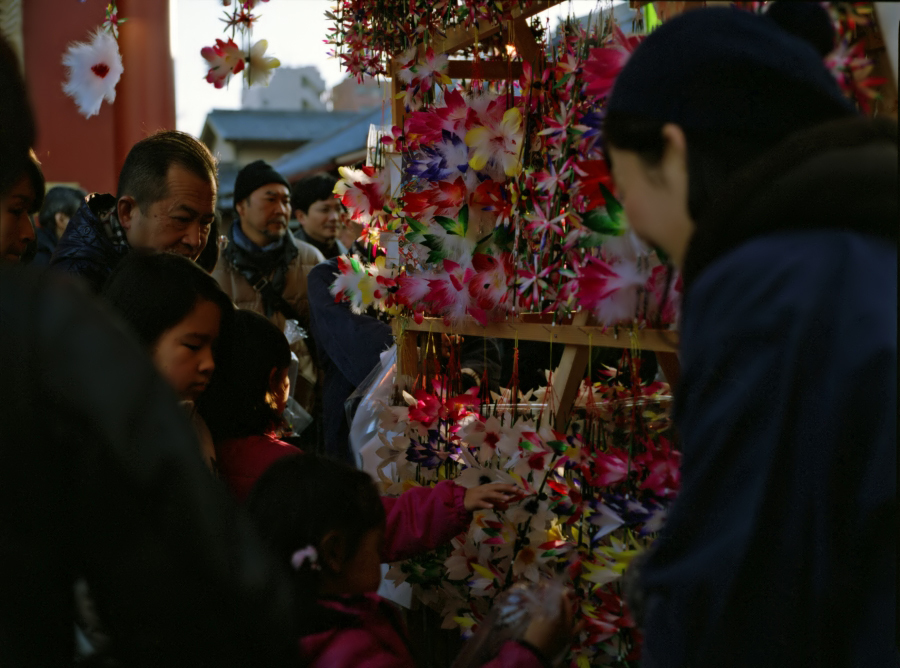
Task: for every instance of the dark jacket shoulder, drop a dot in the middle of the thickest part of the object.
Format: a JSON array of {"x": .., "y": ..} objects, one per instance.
[{"x": 85, "y": 249}]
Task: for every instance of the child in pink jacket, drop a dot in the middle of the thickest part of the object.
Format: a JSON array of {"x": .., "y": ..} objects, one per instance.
[{"x": 324, "y": 519}]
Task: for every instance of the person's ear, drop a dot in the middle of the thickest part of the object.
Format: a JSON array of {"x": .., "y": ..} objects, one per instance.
[
  {"x": 274, "y": 384},
  {"x": 60, "y": 219},
  {"x": 127, "y": 211},
  {"x": 241, "y": 207},
  {"x": 674, "y": 160},
  {"x": 332, "y": 552},
  {"x": 299, "y": 216}
]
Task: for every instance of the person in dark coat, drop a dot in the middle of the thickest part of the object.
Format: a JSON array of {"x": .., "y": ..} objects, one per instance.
[
  {"x": 166, "y": 201},
  {"x": 60, "y": 204},
  {"x": 100, "y": 481},
  {"x": 349, "y": 346},
  {"x": 734, "y": 150}
]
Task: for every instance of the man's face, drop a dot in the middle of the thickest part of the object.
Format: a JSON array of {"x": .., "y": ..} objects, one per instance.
[
  {"x": 178, "y": 223},
  {"x": 323, "y": 219},
  {"x": 264, "y": 214}
]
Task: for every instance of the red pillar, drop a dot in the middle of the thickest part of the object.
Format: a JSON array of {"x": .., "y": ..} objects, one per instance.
[{"x": 90, "y": 151}]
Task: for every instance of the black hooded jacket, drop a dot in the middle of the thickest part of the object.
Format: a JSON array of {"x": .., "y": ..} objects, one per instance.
[{"x": 85, "y": 249}]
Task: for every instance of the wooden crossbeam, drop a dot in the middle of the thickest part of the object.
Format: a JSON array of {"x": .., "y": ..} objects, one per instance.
[{"x": 657, "y": 340}]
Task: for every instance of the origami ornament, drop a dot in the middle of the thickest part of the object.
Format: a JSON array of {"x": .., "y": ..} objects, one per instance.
[
  {"x": 112, "y": 21},
  {"x": 94, "y": 69},
  {"x": 260, "y": 66},
  {"x": 225, "y": 59}
]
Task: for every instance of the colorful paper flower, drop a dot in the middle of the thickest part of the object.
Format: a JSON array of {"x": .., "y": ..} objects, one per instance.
[
  {"x": 499, "y": 143},
  {"x": 225, "y": 59},
  {"x": 94, "y": 69},
  {"x": 259, "y": 65}
]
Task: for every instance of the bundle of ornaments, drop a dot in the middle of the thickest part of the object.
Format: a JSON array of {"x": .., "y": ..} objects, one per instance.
[
  {"x": 506, "y": 204},
  {"x": 594, "y": 493}
]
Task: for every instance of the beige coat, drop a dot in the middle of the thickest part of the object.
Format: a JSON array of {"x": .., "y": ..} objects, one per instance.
[{"x": 244, "y": 296}]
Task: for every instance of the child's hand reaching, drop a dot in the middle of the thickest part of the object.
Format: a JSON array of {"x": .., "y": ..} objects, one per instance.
[
  {"x": 494, "y": 495},
  {"x": 552, "y": 633}
]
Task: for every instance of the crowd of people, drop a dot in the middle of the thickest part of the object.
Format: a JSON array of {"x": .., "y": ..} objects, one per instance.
[{"x": 157, "y": 507}]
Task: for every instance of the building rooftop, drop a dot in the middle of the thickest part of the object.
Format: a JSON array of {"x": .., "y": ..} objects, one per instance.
[
  {"x": 325, "y": 153},
  {"x": 271, "y": 125}
]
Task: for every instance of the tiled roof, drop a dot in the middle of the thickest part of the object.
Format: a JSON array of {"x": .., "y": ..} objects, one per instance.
[
  {"x": 268, "y": 125},
  {"x": 321, "y": 154}
]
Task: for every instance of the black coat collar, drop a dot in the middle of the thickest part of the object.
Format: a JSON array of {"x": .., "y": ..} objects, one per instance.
[{"x": 839, "y": 175}]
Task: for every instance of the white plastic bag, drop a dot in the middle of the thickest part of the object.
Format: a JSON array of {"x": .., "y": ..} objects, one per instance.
[{"x": 369, "y": 399}]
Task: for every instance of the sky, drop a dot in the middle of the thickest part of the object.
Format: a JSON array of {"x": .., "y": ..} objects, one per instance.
[{"x": 294, "y": 29}]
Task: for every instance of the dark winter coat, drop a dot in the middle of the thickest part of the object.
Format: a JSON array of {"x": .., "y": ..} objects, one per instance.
[
  {"x": 349, "y": 347},
  {"x": 85, "y": 249},
  {"x": 781, "y": 548},
  {"x": 46, "y": 243},
  {"x": 100, "y": 479}
]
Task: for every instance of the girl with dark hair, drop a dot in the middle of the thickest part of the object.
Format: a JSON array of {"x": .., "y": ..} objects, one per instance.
[
  {"x": 180, "y": 314},
  {"x": 322, "y": 519},
  {"x": 735, "y": 152},
  {"x": 16, "y": 209},
  {"x": 243, "y": 409}
]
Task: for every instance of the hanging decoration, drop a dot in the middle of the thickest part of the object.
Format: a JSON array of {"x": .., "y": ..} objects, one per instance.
[
  {"x": 506, "y": 203},
  {"x": 365, "y": 35},
  {"x": 95, "y": 67},
  {"x": 227, "y": 58}
]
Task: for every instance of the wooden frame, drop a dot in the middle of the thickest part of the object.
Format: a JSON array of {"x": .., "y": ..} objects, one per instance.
[{"x": 578, "y": 336}]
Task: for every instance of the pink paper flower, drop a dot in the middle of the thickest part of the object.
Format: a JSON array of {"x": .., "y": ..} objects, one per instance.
[{"x": 225, "y": 59}]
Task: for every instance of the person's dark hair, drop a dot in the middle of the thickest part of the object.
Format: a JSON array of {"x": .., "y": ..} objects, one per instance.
[
  {"x": 155, "y": 291},
  {"x": 146, "y": 167},
  {"x": 807, "y": 20},
  {"x": 311, "y": 189},
  {"x": 209, "y": 256},
  {"x": 235, "y": 404},
  {"x": 714, "y": 156},
  {"x": 60, "y": 199},
  {"x": 17, "y": 131},
  {"x": 735, "y": 83},
  {"x": 299, "y": 500}
]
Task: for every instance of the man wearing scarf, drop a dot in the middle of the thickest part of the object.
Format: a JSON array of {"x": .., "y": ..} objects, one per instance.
[{"x": 264, "y": 268}]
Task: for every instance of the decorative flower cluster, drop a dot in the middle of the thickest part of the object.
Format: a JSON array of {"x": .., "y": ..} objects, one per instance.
[
  {"x": 366, "y": 35},
  {"x": 226, "y": 58},
  {"x": 591, "y": 498},
  {"x": 94, "y": 68},
  {"x": 507, "y": 204},
  {"x": 848, "y": 62}
]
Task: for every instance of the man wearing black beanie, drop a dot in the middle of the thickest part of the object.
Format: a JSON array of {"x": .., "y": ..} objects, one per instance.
[
  {"x": 734, "y": 150},
  {"x": 264, "y": 268}
]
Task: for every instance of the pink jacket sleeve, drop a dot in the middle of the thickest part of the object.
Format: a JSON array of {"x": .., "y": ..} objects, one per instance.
[
  {"x": 423, "y": 518},
  {"x": 515, "y": 655}
]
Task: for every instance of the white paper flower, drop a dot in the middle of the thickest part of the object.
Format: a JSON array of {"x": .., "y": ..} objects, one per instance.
[
  {"x": 94, "y": 70},
  {"x": 259, "y": 66}
]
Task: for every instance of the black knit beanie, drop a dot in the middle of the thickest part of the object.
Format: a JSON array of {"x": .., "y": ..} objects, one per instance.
[
  {"x": 253, "y": 176},
  {"x": 726, "y": 70}
]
